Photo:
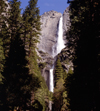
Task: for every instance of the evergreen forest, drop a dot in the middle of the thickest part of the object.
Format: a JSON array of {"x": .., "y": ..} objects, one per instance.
[{"x": 22, "y": 87}]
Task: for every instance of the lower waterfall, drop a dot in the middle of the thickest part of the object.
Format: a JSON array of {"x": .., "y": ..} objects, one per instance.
[
  {"x": 58, "y": 46},
  {"x": 51, "y": 85},
  {"x": 51, "y": 80}
]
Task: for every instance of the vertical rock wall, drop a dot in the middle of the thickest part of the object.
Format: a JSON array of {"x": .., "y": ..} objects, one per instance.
[
  {"x": 48, "y": 38},
  {"x": 49, "y": 27}
]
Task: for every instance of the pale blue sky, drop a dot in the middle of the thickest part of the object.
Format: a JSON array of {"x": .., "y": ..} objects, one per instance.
[{"x": 47, "y": 5}]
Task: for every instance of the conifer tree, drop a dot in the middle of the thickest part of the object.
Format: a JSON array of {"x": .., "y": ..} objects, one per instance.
[
  {"x": 17, "y": 81},
  {"x": 31, "y": 28},
  {"x": 14, "y": 19},
  {"x": 4, "y": 15},
  {"x": 4, "y": 47},
  {"x": 83, "y": 37},
  {"x": 59, "y": 90},
  {"x": 2, "y": 57},
  {"x": 31, "y": 34},
  {"x": 59, "y": 72},
  {"x": 32, "y": 25}
]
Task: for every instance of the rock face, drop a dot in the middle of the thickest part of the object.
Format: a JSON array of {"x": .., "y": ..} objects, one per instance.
[
  {"x": 66, "y": 19},
  {"x": 49, "y": 28},
  {"x": 66, "y": 22},
  {"x": 48, "y": 38}
]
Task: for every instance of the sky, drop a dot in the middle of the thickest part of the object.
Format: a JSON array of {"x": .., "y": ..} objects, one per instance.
[{"x": 48, "y": 5}]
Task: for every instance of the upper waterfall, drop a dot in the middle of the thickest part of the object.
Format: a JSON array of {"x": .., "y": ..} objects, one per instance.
[
  {"x": 60, "y": 41},
  {"x": 56, "y": 49}
]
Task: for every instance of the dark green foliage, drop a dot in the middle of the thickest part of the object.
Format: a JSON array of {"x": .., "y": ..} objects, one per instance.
[
  {"x": 65, "y": 102},
  {"x": 16, "y": 78},
  {"x": 15, "y": 18},
  {"x": 58, "y": 92},
  {"x": 58, "y": 71},
  {"x": 60, "y": 95},
  {"x": 5, "y": 38},
  {"x": 31, "y": 27},
  {"x": 37, "y": 106},
  {"x": 18, "y": 84},
  {"x": 32, "y": 24},
  {"x": 3, "y": 7},
  {"x": 84, "y": 40},
  {"x": 2, "y": 57},
  {"x": 3, "y": 31}
]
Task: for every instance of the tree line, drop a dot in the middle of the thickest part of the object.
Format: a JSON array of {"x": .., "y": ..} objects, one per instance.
[{"x": 21, "y": 85}]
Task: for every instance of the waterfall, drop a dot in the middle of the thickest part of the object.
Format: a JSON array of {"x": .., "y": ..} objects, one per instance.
[
  {"x": 51, "y": 85},
  {"x": 60, "y": 41},
  {"x": 58, "y": 46},
  {"x": 51, "y": 80}
]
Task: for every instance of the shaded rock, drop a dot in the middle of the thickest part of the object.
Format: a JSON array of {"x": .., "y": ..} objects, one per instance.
[
  {"x": 66, "y": 23},
  {"x": 66, "y": 19}
]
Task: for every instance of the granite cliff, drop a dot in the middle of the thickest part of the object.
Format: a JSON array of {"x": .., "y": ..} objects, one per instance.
[{"x": 48, "y": 38}]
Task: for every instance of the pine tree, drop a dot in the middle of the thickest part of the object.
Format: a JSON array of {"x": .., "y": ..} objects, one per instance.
[
  {"x": 31, "y": 27},
  {"x": 1, "y": 42},
  {"x": 59, "y": 72},
  {"x": 3, "y": 18},
  {"x": 83, "y": 37},
  {"x": 4, "y": 47},
  {"x": 31, "y": 34},
  {"x": 14, "y": 19},
  {"x": 17, "y": 81},
  {"x": 59, "y": 90},
  {"x": 4, "y": 15},
  {"x": 2, "y": 57}
]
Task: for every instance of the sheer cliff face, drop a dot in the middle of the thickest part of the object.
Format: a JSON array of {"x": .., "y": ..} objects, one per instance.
[
  {"x": 66, "y": 22},
  {"x": 50, "y": 22},
  {"x": 49, "y": 28},
  {"x": 48, "y": 38},
  {"x": 66, "y": 19}
]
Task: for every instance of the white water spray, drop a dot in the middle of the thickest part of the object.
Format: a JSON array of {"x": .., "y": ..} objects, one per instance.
[{"x": 59, "y": 46}]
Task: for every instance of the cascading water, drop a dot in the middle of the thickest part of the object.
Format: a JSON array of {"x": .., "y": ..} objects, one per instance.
[
  {"x": 59, "y": 46},
  {"x": 51, "y": 80},
  {"x": 51, "y": 85},
  {"x": 60, "y": 41}
]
